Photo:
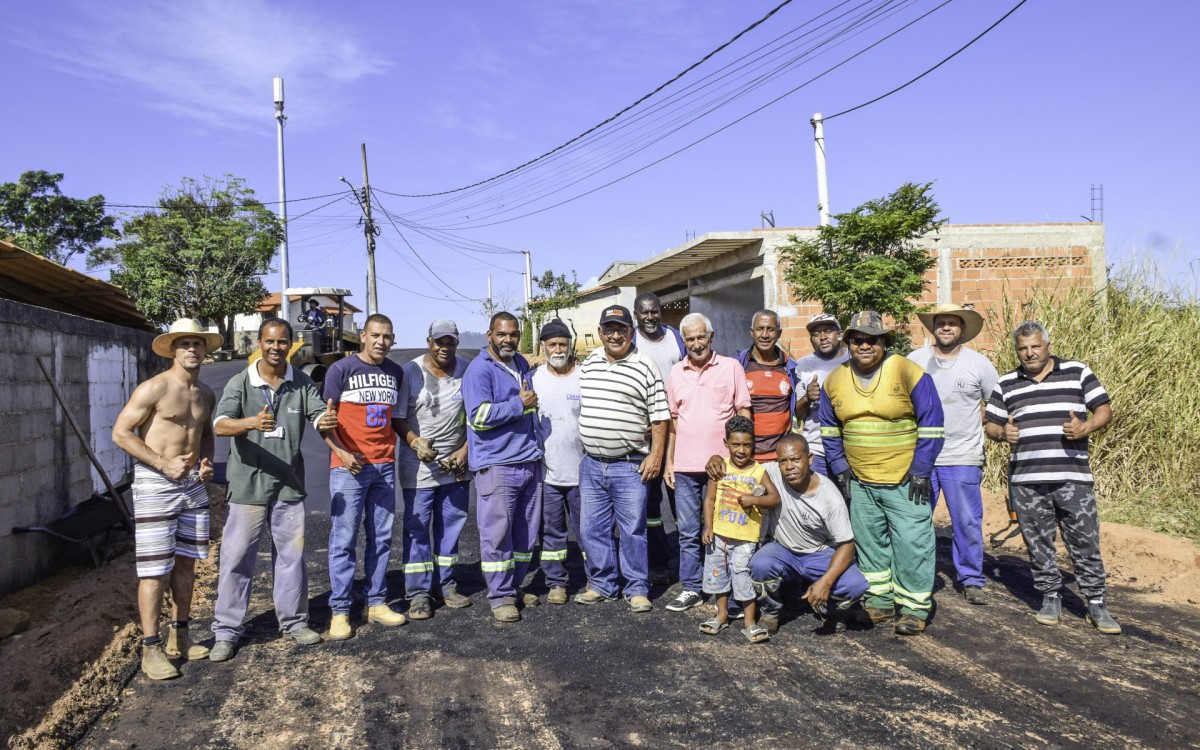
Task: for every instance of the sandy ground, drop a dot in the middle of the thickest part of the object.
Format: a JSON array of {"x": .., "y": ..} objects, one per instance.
[{"x": 600, "y": 677}]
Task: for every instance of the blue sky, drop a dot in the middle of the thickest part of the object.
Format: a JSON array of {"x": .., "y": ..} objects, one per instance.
[{"x": 126, "y": 98}]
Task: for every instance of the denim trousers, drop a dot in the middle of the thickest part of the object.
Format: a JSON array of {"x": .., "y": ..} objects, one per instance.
[
  {"x": 613, "y": 491},
  {"x": 434, "y": 518},
  {"x": 960, "y": 485},
  {"x": 369, "y": 498},
  {"x": 689, "y": 509}
]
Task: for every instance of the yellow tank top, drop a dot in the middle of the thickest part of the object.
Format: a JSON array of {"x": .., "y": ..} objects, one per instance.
[
  {"x": 730, "y": 519},
  {"x": 879, "y": 424}
]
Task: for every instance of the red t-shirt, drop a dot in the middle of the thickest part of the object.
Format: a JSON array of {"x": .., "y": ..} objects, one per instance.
[
  {"x": 367, "y": 397},
  {"x": 771, "y": 402}
]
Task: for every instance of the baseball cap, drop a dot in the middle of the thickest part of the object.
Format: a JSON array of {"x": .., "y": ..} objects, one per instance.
[
  {"x": 616, "y": 314},
  {"x": 443, "y": 327},
  {"x": 823, "y": 318}
]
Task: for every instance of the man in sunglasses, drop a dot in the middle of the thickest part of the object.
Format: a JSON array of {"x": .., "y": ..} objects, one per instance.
[{"x": 882, "y": 428}]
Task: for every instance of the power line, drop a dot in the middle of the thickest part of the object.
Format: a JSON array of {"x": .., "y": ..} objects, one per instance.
[
  {"x": 935, "y": 67},
  {"x": 388, "y": 216},
  {"x": 426, "y": 296},
  {"x": 241, "y": 204},
  {"x": 679, "y": 75}
]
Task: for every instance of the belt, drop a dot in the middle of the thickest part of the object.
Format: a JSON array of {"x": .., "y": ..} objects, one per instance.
[{"x": 639, "y": 457}]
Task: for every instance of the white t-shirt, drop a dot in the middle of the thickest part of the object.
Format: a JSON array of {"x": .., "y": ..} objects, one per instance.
[
  {"x": 806, "y": 368},
  {"x": 558, "y": 415},
  {"x": 664, "y": 352},
  {"x": 809, "y": 523},
  {"x": 963, "y": 384},
  {"x": 436, "y": 413}
]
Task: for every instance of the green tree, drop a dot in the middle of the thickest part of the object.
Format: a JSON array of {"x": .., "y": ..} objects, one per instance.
[
  {"x": 557, "y": 293},
  {"x": 40, "y": 219},
  {"x": 868, "y": 260},
  {"x": 199, "y": 254}
]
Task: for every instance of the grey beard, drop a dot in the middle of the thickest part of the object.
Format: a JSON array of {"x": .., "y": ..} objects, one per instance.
[{"x": 557, "y": 361}]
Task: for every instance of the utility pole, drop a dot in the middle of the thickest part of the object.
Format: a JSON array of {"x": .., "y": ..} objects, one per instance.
[
  {"x": 528, "y": 278},
  {"x": 370, "y": 230},
  {"x": 285, "y": 305},
  {"x": 490, "y": 303},
  {"x": 818, "y": 124}
]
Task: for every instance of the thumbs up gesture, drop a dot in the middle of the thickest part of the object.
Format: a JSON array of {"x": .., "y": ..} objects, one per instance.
[
  {"x": 1011, "y": 434},
  {"x": 528, "y": 397},
  {"x": 329, "y": 419},
  {"x": 1075, "y": 429},
  {"x": 814, "y": 390},
  {"x": 206, "y": 470},
  {"x": 264, "y": 420}
]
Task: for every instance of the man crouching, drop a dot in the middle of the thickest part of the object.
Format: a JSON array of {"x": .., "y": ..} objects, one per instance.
[{"x": 166, "y": 427}]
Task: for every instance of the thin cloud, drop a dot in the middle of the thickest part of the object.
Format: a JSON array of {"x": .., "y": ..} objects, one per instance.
[{"x": 211, "y": 61}]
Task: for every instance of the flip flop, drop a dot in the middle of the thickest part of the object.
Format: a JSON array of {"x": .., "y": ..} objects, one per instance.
[
  {"x": 756, "y": 634},
  {"x": 712, "y": 626}
]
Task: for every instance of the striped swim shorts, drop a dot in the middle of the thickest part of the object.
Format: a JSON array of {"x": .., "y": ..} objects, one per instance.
[{"x": 170, "y": 518}]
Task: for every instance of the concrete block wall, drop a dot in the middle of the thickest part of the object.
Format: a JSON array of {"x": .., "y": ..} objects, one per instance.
[{"x": 43, "y": 468}]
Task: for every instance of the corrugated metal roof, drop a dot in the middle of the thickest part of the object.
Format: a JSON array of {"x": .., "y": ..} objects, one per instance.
[
  {"x": 34, "y": 280},
  {"x": 703, "y": 248}
]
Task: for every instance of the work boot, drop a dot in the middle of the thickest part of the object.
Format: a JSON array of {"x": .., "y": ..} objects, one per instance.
[
  {"x": 222, "y": 651},
  {"x": 421, "y": 608},
  {"x": 591, "y": 596},
  {"x": 455, "y": 600},
  {"x": 155, "y": 663},
  {"x": 339, "y": 628},
  {"x": 302, "y": 635},
  {"x": 1051, "y": 609},
  {"x": 974, "y": 595},
  {"x": 872, "y": 616},
  {"x": 640, "y": 604},
  {"x": 557, "y": 595},
  {"x": 530, "y": 600},
  {"x": 1098, "y": 616},
  {"x": 180, "y": 646},
  {"x": 770, "y": 621},
  {"x": 909, "y": 625},
  {"x": 385, "y": 615},
  {"x": 506, "y": 613}
]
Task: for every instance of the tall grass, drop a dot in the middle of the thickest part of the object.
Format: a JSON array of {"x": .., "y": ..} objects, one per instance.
[{"x": 1144, "y": 345}]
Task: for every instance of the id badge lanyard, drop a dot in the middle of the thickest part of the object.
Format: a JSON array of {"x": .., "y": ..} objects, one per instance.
[{"x": 274, "y": 407}]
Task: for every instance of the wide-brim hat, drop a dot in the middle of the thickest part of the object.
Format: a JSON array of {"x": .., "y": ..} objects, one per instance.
[
  {"x": 972, "y": 321},
  {"x": 870, "y": 323},
  {"x": 164, "y": 345}
]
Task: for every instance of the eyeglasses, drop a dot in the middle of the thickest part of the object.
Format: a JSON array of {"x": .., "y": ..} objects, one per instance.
[{"x": 863, "y": 340}]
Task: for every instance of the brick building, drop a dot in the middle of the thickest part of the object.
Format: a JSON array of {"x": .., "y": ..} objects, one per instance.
[{"x": 730, "y": 275}]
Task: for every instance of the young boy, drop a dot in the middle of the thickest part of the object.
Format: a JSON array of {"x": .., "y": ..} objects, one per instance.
[{"x": 733, "y": 519}]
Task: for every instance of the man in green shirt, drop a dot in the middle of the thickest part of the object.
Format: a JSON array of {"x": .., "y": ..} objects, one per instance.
[{"x": 264, "y": 409}]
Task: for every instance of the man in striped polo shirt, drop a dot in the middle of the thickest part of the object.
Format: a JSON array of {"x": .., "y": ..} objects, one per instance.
[
  {"x": 623, "y": 426},
  {"x": 1036, "y": 409}
]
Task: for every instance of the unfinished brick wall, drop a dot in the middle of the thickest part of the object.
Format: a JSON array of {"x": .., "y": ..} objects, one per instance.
[{"x": 984, "y": 276}]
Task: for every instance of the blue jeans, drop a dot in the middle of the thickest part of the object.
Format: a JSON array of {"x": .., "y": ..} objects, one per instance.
[
  {"x": 434, "y": 518},
  {"x": 960, "y": 485},
  {"x": 689, "y": 509},
  {"x": 608, "y": 489},
  {"x": 774, "y": 563},
  {"x": 370, "y": 493}
]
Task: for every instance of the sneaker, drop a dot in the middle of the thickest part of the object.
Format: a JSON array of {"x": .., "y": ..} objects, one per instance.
[
  {"x": 339, "y": 628},
  {"x": 1051, "y": 609},
  {"x": 557, "y": 595},
  {"x": 685, "y": 601},
  {"x": 222, "y": 651},
  {"x": 770, "y": 621},
  {"x": 303, "y": 635},
  {"x": 591, "y": 596},
  {"x": 506, "y": 613},
  {"x": 421, "y": 608},
  {"x": 974, "y": 595},
  {"x": 156, "y": 665},
  {"x": 1098, "y": 616},
  {"x": 179, "y": 645},
  {"x": 530, "y": 600},
  {"x": 455, "y": 600},
  {"x": 385, "y": 615},
  {"x": 640, "y": 604},
  {"x": 909, "y": 625}
]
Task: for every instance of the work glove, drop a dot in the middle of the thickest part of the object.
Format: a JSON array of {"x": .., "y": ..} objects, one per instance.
[
  {"x": 920, "y": 489},
  {"x": 425, "y": 451},
  {"x": 843, "y": 483}
]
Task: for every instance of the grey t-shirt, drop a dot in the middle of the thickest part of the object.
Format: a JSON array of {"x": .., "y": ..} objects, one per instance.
[
  {"x": 963, "y": 384},
  {"x": 436, "y": 413},
  {"x": 809, "y": 523},
  {"x": 806, "y": 368},
  {"x": 558, "y": 414},
  {"x": 664, "y": 352}
]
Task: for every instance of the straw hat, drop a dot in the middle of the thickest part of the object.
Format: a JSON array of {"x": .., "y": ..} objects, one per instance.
[
  {"x": 164, "y": 345},
  {"x": 972, "y": 321}
]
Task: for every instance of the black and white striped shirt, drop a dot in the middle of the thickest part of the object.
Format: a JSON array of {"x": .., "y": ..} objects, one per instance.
[
  {"x": 618, "y": 402},
  {"x": 1043, "y": 455}
]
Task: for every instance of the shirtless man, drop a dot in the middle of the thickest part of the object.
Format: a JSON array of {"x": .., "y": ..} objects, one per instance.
[{"x": 166, "y": 426}]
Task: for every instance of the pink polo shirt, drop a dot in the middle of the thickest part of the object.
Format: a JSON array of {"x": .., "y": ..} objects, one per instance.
[{"x": 702, "y": 401}]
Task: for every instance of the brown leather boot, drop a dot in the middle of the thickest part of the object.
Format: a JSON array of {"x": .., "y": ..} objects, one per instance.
[
  {"x": 156, "y": 665},
  {"x": 180, "y": 646}
]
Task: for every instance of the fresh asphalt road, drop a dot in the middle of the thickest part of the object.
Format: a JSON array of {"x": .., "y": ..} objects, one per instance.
[{"x": 603, "y": 677}]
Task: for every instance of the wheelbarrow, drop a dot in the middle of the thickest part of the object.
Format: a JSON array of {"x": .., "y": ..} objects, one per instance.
[{"x": 82, "y": 524}]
